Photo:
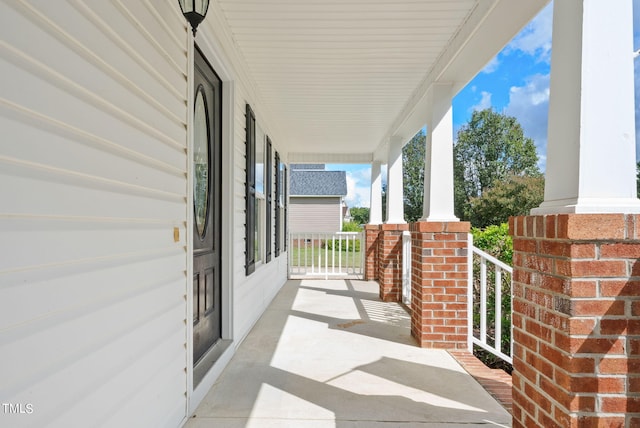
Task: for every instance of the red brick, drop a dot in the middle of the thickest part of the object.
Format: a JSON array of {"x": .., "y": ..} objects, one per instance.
[
  {"x": 587, "y": 421},
  {"x": 633, "y": 384},
  {"x": 550, "y": 226},
  {"x": 592, "y": 345},
  {"x": 582, "y": 365},
  {"x": 620, "y": 250},
  {"x": 582, "y": 403},
  {"x": 619, "y": 327},
  {"x": 620, "y": 366},
  {"x": 538, "y": 263},
  {"x": 525, "y": 245},
  {"x": 444, "y": 237},
  {"x": 552, "y": 283},
  {"x": 458, "y": 226},
  {"x": 582, "y": 288},
  {"x": 600, "y": 384},
  {"x": 553, "y": 355},
  {"x": 581, "y": 326},
  {"x": 597, "y": 307},
  {"x": 428, "y": 226},
  {"x": 590, "y": 268},
  {"x": 529, "y": 222},
  {"x": 620, "y": 404},
  {"x": 568, "y": 249},
  {"x": 635, "y": 308},
  {"x": 591, "y": 226},
  {"x": 615, "y": 288}
]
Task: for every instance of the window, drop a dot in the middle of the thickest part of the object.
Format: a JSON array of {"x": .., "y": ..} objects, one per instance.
[
  {"x": 277, "y": 237},
  {"x": 269, "y": 198},
  {"x": 260, "y": 198},
  {"x": 250, "y": 191},
  {"x": 284, "y": 206}
]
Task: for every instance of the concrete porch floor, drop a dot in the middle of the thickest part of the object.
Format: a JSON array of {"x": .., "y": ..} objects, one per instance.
[{"x": 331, "y": 354}]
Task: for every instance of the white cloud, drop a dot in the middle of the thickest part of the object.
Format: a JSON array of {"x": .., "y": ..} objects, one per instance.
[
  {"x": 530, "y": 105},
  {"x": 535, "y": 38},
  {"x": 484, "y": 103},
  {"x": 492, "y": 66},
  {"x": 358, "y": 188}
]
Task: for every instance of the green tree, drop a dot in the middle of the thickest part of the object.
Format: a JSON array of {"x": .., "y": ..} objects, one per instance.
[
  {"x": 489, "y": 148},
  {"x": 413, "y": 154},
  {"x": 359, "y": 215},
  {"x": 516, "y": 195}
]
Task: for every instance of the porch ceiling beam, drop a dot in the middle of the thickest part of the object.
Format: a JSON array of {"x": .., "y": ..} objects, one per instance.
[
  {"x": 318, "y": 157},
  {"x": 489, "y": 27}
]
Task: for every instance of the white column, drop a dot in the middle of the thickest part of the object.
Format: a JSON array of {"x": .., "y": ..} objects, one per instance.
[
  {"x": 395, "y": 191},
  {"x": 375, "y": 207},
  {"x": 591, "y": 144},
  {"x": 438, "y": 170}
]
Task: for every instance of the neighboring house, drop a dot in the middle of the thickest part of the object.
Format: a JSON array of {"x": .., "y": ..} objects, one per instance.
[
  {"x": 316, "y": 199},
  {"x": 346, "y": 212},
  {"x": 143, "y": 179}
]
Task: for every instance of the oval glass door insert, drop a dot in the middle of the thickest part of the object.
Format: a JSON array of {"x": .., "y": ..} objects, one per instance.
[{"x": 201, "y": 162}]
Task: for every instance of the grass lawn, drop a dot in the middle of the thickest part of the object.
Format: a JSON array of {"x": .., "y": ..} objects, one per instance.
[{"x": 304, "y": 256}]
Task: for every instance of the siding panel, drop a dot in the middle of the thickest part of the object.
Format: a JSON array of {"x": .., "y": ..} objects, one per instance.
[
  {"x": 92, "y": 184},
  {"x": 314, "y": 214}
]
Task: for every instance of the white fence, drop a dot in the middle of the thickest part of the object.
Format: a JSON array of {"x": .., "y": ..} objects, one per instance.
[
  {"x": 485, "y": 301},
  {"x": 326, "y": 254}
]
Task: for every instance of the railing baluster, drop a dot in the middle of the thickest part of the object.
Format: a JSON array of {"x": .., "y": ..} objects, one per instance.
[
  {"x": 326, "y": 258},
  {"x": 333, "y": 253},
  {"x": 483, "y": 300},
  {"x": 340, "y": 255},
  {"x": 498, "y": 303},
  {"x": 313, "y": 255},
  {"x": 346, "y": 261}
]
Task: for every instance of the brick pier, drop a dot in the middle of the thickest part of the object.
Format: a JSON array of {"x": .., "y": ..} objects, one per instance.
[{"x": 576, "y": 319}]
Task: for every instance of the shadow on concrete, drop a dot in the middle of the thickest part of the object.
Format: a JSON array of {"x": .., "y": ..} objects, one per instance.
[{"x": 303, "y": 369}]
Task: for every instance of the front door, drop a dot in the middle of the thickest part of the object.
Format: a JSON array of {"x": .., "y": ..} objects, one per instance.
[{"x": 207, "y": 120}]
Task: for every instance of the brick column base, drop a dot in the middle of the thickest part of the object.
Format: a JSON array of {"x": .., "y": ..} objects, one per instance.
[
  {"x": 371, "y": 234},
  {"x": 576, "y": 320},
  {"x": 390, "y": 261},
  {"x": 439, "y": 284}
]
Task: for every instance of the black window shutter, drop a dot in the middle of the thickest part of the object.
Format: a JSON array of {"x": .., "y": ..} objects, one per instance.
[
  {"x": 278, "y": 195},
  {"x": 250, "y": 192},
  {"x": 269, "y": 199}
]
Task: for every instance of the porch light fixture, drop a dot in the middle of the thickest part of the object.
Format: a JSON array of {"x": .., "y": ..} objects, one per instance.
[{"x": 194, "y": 11}]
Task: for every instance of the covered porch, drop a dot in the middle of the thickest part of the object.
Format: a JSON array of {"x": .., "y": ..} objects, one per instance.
[{"x": 330, "y": 353}]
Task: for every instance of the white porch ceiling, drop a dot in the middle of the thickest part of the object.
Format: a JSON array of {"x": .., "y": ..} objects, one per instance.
[{"x": 340, "y": 75}]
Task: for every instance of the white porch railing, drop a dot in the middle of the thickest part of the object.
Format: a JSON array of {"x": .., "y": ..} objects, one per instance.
[
  {"x": 406, "y": 268},
  {"x": 485, "y": 302},
  {"x": 326, "y": 254}
]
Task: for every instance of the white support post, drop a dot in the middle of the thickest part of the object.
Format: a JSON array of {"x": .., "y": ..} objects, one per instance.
[
  {"x": 375, "y": 207},
  {"x": 395, "y": 189},
  {"x": 591, "y": 143},
  {"x": 438, "y": 172}
]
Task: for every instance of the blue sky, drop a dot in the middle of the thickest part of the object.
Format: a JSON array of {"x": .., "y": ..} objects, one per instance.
[{"x": 515, "y": 82}]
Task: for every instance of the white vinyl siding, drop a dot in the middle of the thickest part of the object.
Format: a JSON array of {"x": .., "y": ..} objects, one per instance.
[
  {"x": 314, "y": 214},
  {"x": 92, "y": 184}
]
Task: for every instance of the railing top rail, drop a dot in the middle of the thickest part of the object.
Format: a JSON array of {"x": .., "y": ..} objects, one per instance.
[
  {"x": 325, "y": 233},
  {"x": 493, "y": 260}
]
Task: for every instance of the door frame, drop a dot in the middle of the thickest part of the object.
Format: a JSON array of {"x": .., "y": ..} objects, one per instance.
[{"x": 223, "y": 351}]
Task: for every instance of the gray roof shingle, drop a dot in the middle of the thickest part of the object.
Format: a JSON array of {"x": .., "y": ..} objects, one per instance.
[
  {"x": 306, "y": 166},
  {"x": 318, "y": 183}
]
